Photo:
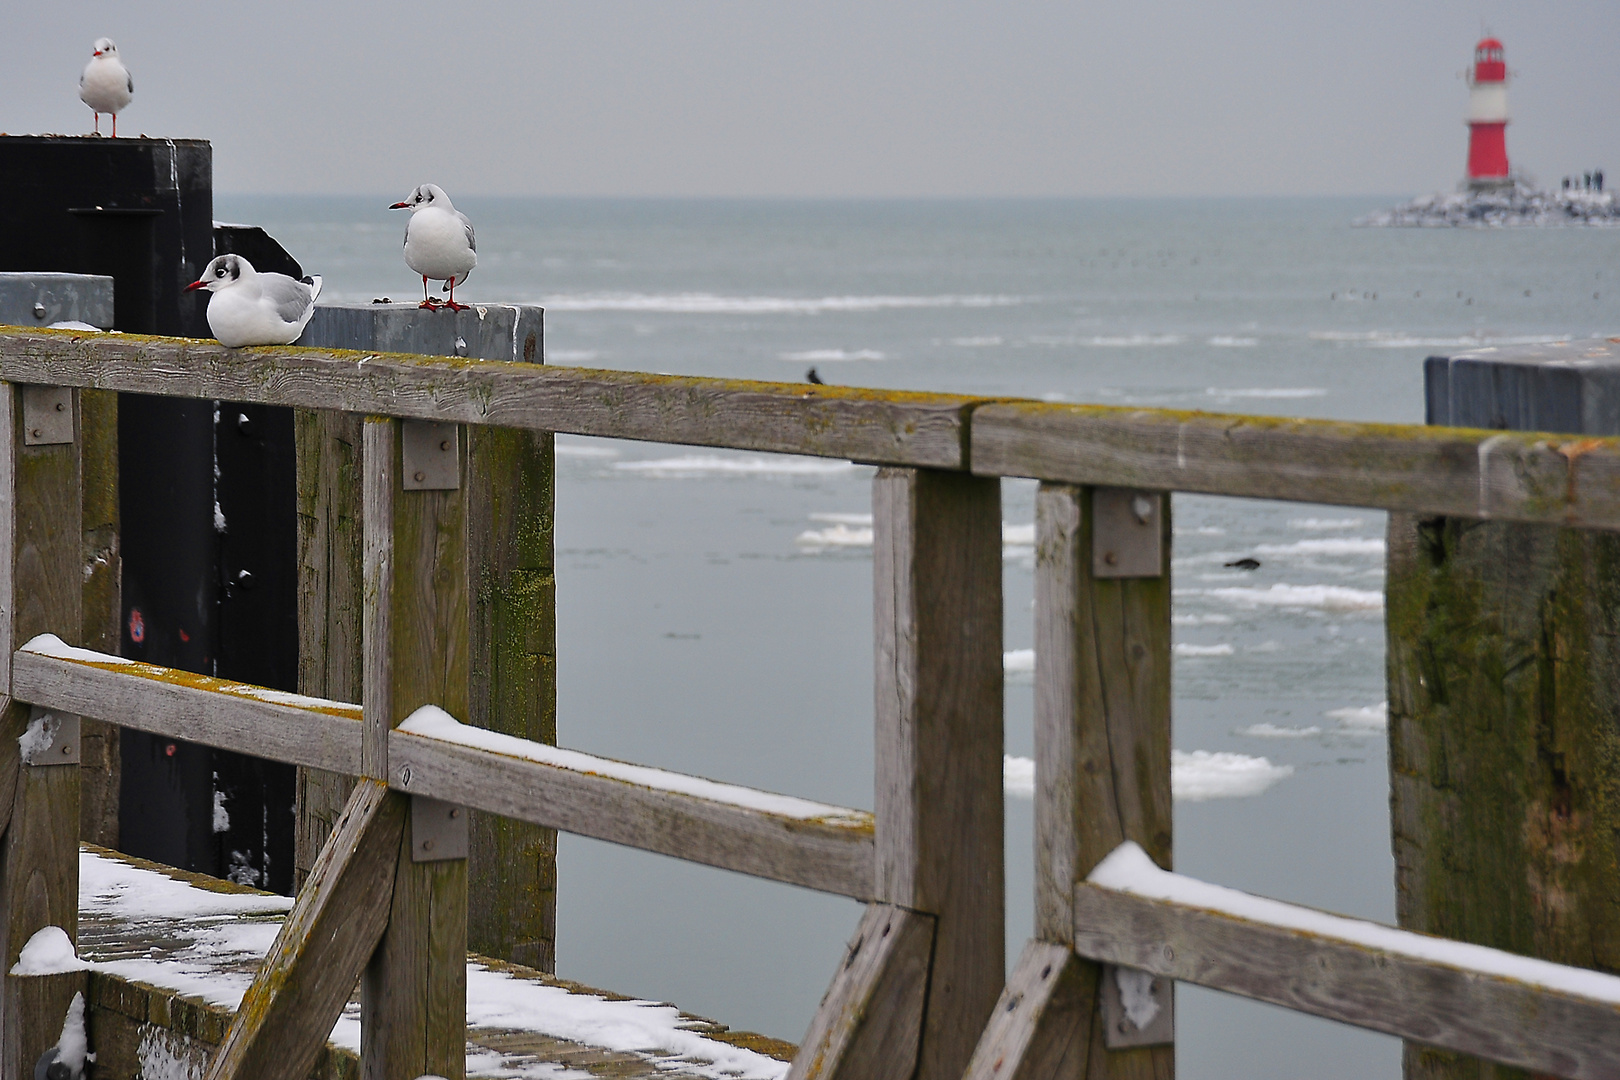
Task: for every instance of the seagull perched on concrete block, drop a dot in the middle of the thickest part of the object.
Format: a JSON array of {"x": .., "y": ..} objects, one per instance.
[
  {"x": 439, "y": 242},
  {"x": 250, "y": 308},
  {"x": 106, "y": 85},
  {"x": 65, "y": 1060}
]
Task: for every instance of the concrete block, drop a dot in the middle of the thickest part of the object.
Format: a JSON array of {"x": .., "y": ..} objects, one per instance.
[
  {"x": 40, "y": 299},
  {"x": 482, "y": 332},
  {"x": 1571, "y": 387}
]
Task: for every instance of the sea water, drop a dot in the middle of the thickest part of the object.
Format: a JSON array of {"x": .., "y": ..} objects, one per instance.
[{"x": 714, "y": 607}]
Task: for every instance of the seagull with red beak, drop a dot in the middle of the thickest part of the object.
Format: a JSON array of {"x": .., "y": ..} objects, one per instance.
[
  {"x": 439, "y": 243},
  {"x": 106, "y": 85},
  {"x": 247, "y": 307}
]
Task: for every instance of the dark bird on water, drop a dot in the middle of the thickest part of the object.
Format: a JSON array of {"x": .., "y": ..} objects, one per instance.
[
  {"x": 65, "y": 1060},
  {"x": 811, "y": 376},
  {"x": 1244, "y": 564}
]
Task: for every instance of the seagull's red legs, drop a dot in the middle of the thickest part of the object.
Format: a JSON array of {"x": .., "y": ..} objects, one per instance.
[
  {"x": 115, "y": 125},
  {"x": 452, "y": 305},
  {"x": 427, "y": 301}
]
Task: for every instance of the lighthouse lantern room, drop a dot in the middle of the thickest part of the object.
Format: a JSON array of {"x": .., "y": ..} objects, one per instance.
[{"x": 1488, "y": 118}]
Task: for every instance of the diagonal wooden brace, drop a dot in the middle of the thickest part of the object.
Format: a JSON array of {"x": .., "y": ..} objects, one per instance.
[
  {"x": 1042, "y": 1026},
  {"x": 323, "y": 947},
  {"x": 870, "y": 1022}
]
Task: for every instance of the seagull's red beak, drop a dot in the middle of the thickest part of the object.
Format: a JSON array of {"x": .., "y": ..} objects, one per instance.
[
  {"x": 400, "y": 206},
  {"x": 96, "y": 53},
  {"x": 196, "y": 285}
]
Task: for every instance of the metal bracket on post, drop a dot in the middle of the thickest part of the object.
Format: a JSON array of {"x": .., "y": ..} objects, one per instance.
[
  {"x": 1138, "y": 1008},
  {"x": 438, "y": 830},
  {"x": 52, "y": 738},
  {"x": 47, "y": 415},
  {"x": 1126, "y": 541},
  {"x": 431, "y": 456}
]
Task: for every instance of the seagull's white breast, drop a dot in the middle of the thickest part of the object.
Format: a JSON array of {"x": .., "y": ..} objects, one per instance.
[
  {"x": 105, "y": 85},
  {"x": 241, "y": 315},
  {"x": 436, "y": 245}
]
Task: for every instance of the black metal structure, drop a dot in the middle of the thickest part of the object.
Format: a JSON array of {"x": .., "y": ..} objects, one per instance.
[{"x": 207, "y": 490}]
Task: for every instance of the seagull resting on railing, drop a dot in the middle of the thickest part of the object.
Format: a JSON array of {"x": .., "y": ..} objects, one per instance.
[
  {"x": 439, "y": 242},
  {"x": 250, "y": 308},
  {"x": 65, "y": 1060},
  {"x": 106, "y": 85}
]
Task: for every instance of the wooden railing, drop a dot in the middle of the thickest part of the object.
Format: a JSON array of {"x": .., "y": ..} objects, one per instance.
[{"x": 921, "y": 990}]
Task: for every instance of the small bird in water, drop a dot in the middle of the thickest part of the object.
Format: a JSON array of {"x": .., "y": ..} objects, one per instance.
[
  {"x": 250, "y": 308},
  {"x": 811, "y": 376},
  {"x": 65, "y": 1060},
  {"x": 106, "y": 85},
  {"x": 439, "y": 243},
  {"x": 1243, "y": 564}
]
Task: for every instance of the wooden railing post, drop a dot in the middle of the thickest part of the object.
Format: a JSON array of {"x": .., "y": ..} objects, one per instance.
[
  {"x": 41, "y": 579},
  {"x": 1102, "y": 776},
  {"x": 414, "y": 993},
  {"x": 894, "y": 1009}
]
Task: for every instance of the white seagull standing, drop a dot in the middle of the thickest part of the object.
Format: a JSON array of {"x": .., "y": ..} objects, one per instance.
[
  {"x": 250, "y": 308},
  {"x": 439, "y": 242},
  {"x": 106, "y": 85}
]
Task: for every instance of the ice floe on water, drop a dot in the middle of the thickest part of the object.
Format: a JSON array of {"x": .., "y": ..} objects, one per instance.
[
  {"x": 688, "y": 466},
  {"x": 847, "y": 530},
  {"x": 1295, "y": 597},
  {"x": 1227, "y": 341},
  {"x": 1366, "y": 720},
  {"x": 1326, "y": 524},
  {"x": 1018, "y": 661},
  {"x": 1336, "y": 546},
  {"x": 1281, "y": 393},
  {"x": 1519, "y": 206},
  {"x": 1131, "y": 341},
  {"x": 1273, "y": 731},
  {"x": 830, "y": 356},
  {"x": 712, "y": 304},
  {"x": 1183, "y": 648},
  {"x": 1195, "y": 776},
  {"x": 1398, "y": 339}
]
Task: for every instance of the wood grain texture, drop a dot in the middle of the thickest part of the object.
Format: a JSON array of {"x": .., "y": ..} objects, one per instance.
[
  {"x": 414, "y": 994},
  {"x": 1504, "y": 681},
  {"x": 1488, "y": 1016},
  {"x": 1102, "y": 730},
  {"x": 380, "y": 484},
  {"x": 39, "y": 853},
  {"x": 884, "y": 427},
  {"x": 513, "y": 672},
  {"x": 328, "y": 454},
  {"x": 1041, "y": 1028},
  {"x": 322, "y": 948},
  {"x": 100, "y": 761},
  {"x": 870, "y": 1021},
  {"x": 35, "y": 1008},
  {"x": 833, "y": 855},
  {"x": 197, "y": 708},
  {"x": 1503, "y": 475},
  {"x": 937, "y": 598}
]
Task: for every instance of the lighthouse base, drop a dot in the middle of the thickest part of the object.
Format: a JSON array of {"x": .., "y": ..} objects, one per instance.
[
  {"x": 1490, "y": 183},
  {"x": 1508, "y": 206}
]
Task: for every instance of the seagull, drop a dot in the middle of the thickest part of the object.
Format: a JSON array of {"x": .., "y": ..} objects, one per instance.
[
  {"x": 65, "y": 1060},
  {"x": 106, "y": 85},
  {"x": 250, "y": 308},
  {"x": 439, "y": 242}
]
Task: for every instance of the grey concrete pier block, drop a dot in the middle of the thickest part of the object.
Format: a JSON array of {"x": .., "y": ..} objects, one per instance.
[
  {"x": 1571, "y": 387},
  {"x": 482, "y": 332},
  {"x": 41, "y": 299}
]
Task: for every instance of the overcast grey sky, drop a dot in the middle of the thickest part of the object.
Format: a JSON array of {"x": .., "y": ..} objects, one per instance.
[{"x": 832, "y": 98}]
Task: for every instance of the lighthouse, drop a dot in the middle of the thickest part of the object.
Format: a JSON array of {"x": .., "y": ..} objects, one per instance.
[{"x": 1487, "y": 118}]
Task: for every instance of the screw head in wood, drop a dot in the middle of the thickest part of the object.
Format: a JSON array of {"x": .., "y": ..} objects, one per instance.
[
  {"x": 427, "y": 845},
  {"x": 444, "y": 444},
  {"x": 39, "y": 310},
  {"x": 61, "y": 406},
  {"x": 1110, "y": 558},
  {"x": 421, "y": 476},
  {"x": 36, "y": 433}
]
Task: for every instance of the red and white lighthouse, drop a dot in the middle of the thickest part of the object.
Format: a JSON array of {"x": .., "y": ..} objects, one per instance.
[{"x": 1488, "y": 117}]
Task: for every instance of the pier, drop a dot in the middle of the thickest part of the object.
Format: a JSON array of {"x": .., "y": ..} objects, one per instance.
[{"x": 921, "y": 990}]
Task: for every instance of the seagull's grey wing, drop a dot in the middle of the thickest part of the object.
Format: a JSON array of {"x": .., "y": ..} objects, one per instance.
[
  {"x": 466, "y": 223},
  {"x": 291, "y": 298},
  {"x": 131, "y": 79}
]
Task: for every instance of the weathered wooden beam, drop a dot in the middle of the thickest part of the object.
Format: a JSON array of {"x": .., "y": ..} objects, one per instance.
[
  {"x": 328, "y": 460},
  {"x": 41, "y": 578},
  {"x": 322, "y": 948},
  {"x": 1390, "y": 989},
  {"x": 870, "y": 1021},
  {"x": 885, "y": 427},
  {"x": 937, "y": 592},
  {"x": 819, "y": 847},
  {"x": 736, "y": 828},
  {"x": 416, "y": 643},
  {"x": 36, "y": 1009},
  {"x": 178, "y": 704},
  {"x": 100, "y": 759},
  {"x": 1510, "y": 476},
  {"x": 1042, "y": 1026}
]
